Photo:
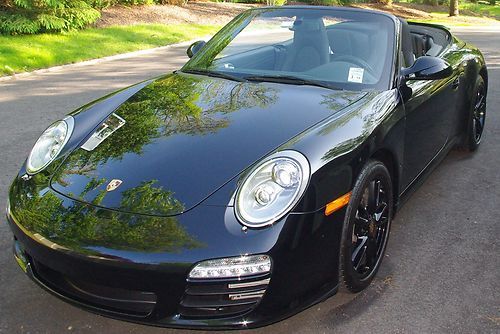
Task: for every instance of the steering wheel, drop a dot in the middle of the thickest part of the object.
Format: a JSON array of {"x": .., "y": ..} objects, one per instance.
[{"x": 355, "y": 60}]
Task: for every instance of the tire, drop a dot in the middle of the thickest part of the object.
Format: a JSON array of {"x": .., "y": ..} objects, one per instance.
[
  {"x": 366, "y": 226},
  {"x": 476, "y": 118}
]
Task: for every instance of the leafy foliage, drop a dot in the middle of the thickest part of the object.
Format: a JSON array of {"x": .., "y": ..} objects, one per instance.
[
  {"x": 275, "y": 2},
  {"x": 38, "y": 16},
  {"x": 35, "y": 16}
]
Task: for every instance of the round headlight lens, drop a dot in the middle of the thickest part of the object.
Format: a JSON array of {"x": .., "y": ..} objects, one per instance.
[
  {"x": 49, "y": 145},
  {"x": 272, "y": 188}
]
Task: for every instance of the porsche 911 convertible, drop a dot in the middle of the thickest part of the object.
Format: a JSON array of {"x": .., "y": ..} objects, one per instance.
[{"x": 256, "y": 180}]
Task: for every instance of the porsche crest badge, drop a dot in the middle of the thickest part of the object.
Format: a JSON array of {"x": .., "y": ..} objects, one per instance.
[{"x": 113, "y": 184}]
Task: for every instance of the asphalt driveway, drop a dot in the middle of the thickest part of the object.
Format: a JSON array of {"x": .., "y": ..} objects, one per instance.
[{"x": 442, "y": 271}]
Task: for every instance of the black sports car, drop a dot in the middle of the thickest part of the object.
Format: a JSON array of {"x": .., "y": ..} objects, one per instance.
[{"x": 254, "y": 181}]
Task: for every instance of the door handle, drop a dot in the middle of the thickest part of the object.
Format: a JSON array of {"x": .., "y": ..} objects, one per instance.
[{"x": 455, "y": 83}]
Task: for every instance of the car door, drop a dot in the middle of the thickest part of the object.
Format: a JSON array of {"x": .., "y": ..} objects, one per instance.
[{"x": 430, "y": 118}]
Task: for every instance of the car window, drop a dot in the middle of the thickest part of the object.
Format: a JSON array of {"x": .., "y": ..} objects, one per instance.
[
  {"x": 259, "y": 33},
  {"x": 349, "y": 49}
]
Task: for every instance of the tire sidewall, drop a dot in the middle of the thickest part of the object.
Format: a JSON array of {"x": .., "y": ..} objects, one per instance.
[{"x": 471, "y": 143}]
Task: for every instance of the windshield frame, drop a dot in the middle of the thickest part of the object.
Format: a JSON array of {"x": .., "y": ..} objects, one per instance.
[{"x": 224, "y": 37}]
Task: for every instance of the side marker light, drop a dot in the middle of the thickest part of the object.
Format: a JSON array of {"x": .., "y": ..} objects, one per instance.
[{"x": 337, "y": 204}]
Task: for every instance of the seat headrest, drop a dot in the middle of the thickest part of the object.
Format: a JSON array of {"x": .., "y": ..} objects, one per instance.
[
  {"x": 406, "y": 43},
  {"x": 307, "y": 25}
]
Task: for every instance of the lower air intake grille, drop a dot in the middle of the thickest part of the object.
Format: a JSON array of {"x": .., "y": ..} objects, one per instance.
[
  {"x": 217, "y": 298},
  {"x": 115, "y": 300}
]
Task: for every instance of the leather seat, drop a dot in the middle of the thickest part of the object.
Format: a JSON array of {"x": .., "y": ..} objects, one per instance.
[
  {"x": 406, "y": 44},
  {"x": 418, "y": 45},
  {"x": 310, "y": 46}
]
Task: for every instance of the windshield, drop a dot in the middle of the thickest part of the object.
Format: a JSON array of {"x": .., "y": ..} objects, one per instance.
[{"x": 346, "y": 49}]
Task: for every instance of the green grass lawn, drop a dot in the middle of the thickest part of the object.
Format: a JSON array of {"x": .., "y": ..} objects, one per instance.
[
  {"x": 30, "y": 52},
  {"x": 481, "y": 8}
]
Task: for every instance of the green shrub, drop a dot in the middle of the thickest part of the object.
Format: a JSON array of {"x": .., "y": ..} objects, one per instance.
[
  {"x": 35, "y": 16},
  {"x": 100, "y": 4},
  {"x": 275, "y": 2}
]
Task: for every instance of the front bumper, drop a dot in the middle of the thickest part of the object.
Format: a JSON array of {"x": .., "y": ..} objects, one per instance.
[
  {"x": 151, "y": 287},
  {"x": 147, "y": 307}
]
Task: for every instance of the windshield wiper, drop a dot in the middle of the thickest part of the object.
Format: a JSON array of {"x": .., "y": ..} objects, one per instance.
[
  {"x": 215, "y": 74},
  {"x": 288, "y": 79}
]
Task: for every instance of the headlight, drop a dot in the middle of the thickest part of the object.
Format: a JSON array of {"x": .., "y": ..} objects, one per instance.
[
  {"x": 272, "y": 188},
  {"x": 49, "y": 145}
]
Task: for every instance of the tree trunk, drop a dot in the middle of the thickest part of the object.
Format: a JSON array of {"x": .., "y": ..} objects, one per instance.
[{"x": 453, "y": 7}]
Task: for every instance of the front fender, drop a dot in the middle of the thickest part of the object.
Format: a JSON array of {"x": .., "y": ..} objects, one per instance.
[{"x": 339, "y": 148}]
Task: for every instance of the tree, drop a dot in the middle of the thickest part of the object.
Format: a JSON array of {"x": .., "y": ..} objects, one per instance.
[
  {"x": 37, "y": 16},
  {"x": 453, "y": 7}
]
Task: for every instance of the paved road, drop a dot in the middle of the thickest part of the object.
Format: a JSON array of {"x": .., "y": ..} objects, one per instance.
[{"x": 442, "y": 270}]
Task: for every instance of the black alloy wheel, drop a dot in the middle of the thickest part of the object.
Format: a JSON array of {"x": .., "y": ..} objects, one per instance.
[
  {"x": 479, "y": 112},
  {"x": 476, "y": 117},
  {"x": 367, "y": 226}
]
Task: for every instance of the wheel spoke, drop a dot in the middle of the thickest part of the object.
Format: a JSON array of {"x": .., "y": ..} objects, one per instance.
[
  {"x": 359, "y": 254},
  {"x": 482, "y": 106},
  {"x": 479, "y": 126},
  {"x": 479, "y": 113},
  {"x": 383, "y": 221},
  {"x": 382, "y": 208},
  {"x": 362, "y": 216},
  {"x": 371, "y": 252},
  {"x": 479, "y": 103},
  {"x": 377, "y": 193},
  {"x": 373, "y": 196},
  {"x": 480, "y": 123},
  {"x": 370, "y": 226}
]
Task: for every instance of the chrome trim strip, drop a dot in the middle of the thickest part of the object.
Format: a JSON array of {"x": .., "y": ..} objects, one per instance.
[
  {"x": 248, "y": 284},
  {"x": 248, "y": 295}
]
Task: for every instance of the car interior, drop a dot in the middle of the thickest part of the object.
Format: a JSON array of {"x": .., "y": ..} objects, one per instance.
[
  {"x": 331, "y": 52},
  {"x": 419, "y": 40}
]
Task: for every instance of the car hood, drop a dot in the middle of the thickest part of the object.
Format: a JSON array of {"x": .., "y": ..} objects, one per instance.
[{"x": 181, "y": 137}]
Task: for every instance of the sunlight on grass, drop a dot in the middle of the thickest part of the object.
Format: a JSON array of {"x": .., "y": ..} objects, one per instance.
[
  {"x": 482, "y": 8},
  {"x": 26, "y": 53}
]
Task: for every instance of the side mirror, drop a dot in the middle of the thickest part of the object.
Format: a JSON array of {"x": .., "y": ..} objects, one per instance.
[
  {"x": 427, "y": 68},
  {"x": 194, "y": 48}
]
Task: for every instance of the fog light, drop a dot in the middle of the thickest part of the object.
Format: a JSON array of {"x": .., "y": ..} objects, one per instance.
[{"x": 246, "y": 265}]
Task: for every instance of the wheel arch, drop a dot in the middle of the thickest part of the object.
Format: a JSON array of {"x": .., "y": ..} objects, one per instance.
[{"x": 390, "y": 161}]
